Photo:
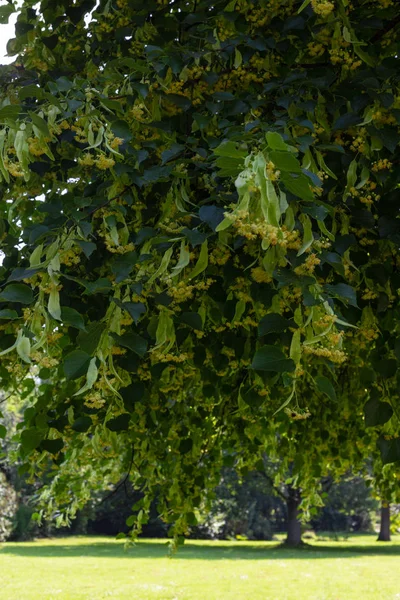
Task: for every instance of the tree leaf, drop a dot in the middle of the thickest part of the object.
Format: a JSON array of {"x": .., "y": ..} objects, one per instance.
[
  {"x": 377, "y": 412},
  {"x": 82, "y": 424},
  {"x": 192, "y": 319},
  {"x": 132, "y": 341},
  {"x": 122, "y": 130},
  {"x": 134, "y": 309},
  {"x": 202, "y": 261},
  {"x": 89, "y": 339},
  {"x": 343, "y": 292},
  {"x": 390, "y": 449},
  {"x": 31, "y": 438},
  {"x": 273, "y": 323},
  {"x": 325, "y": 386},
  {"x": 285, "y": 161},
  {"x": 53, "y": 306},
  {"x": 76, "y": 364},
  {"x": 17, "y": 292},
  {"x": 8, "y": 314},
  {"x": 72, "y": 317},
  {"x": 120, "y": 423},
  {"x": 271, "y": 358},
  {"x": 52, "y": 446},
  {"x": 275, "y": 141}
]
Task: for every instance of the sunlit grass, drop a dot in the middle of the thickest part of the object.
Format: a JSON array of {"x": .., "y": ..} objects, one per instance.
[{"x": 84, "y": 568}]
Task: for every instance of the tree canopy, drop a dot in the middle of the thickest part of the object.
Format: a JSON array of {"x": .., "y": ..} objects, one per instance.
[{"x": 199, "y": 221}]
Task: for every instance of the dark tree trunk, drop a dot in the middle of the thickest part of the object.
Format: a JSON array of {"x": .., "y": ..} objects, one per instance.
[
  {"x": 294, "y": 526},
  {"x": 384, "y": 533}
]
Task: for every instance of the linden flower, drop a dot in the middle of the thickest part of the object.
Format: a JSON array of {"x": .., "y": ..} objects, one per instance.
[
  {"x": 323, "y": 8},
  {"x": 260, "y": 275},
  {"x": 104, "y": 163},
  {"x": 298, "y": 414}
]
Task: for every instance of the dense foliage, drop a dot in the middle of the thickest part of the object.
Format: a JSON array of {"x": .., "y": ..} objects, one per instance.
[{"x": 200, "y": 238}]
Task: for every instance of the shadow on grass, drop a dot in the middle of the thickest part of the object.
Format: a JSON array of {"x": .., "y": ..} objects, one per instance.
[{"x": 205, "y": 551}]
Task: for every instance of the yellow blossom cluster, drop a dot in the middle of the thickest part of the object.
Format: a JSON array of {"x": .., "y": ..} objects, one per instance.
[
  {"x": 117, "y": 351},
  {"x": 316, "y": 49},
  {"x": 340, "y": 56},
  {"x": 366, "y": 196},
  {"x": 157, "y": 356},
  {"x": 94, "y": 400},
  {"x": 308, "y": 266},
  {"x": 322, "y": 8},
  {"x": 36, "y": 146},
  {"x": 298, "y": 414},
  {"x": 70, "y": 257},
  {"x": 220, "y": 255},
  {"x": 359, "y": 140},
  {"x": 183, "y": 291},
  {"x": 43, "y": 360},
  {"x": 272, "y": 172},
  {"x": 102, "y": 162},
  {"x": 381, "y": 164},
  {"x": 383, "y": 117},
  {"x": 13, "y": 168},
  {"x": 334, "y": 355},
  {"x": 260, "y": 275}
]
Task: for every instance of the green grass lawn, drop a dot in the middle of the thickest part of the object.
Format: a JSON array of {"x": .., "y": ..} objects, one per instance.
[{"x": 94, "y": 568}]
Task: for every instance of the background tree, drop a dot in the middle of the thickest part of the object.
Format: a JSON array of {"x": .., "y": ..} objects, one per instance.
[{"x": 200, "y": 229}]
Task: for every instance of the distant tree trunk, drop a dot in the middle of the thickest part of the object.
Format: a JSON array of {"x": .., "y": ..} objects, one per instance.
[
  {"x": 384, "y": 533},
  {"x": 294, "y": 526}
]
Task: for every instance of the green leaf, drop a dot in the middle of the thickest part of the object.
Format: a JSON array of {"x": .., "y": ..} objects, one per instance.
[
  {"x": 23, "y": 348},
  {"x": 390, "y": 449},
  {"x": 308, "y": 237},
  {"x": 76, "y": 364},
  {"x": 298, "y": 185},
  {"x": 192, "y": 319},
  {"x": 31, "y": 438},
  {"x": 325, "y": 386},
  {"x": 271, "y": 358},
  {"x": 230, "y": 150},
  {"x": 295, "y": 347},
  {"x": 120, "y": 423},
  {"x": 202, "y": 261},
  {"x": 17, "y": 292},
  {"x": 3, "y": 432},
  {"x": 5, "y": 12},
  {"x": 9, "y": 112},
  {"x": 252, "y": 398},
  {"x": 377, "y": 412},
  {"x": 52, "y": 446},
  {"x": 122, "y": 265},
  {"x": 82, "y": 424},
  {"x": 273, "y": 323},
  {"x": 385, "y": 367},
  {"x": 91, "y": 378},
  {"x": 54, "y": 304},
  {"x": 40, "y": 124},
  {"x": 323, "y": 165},
  {"x": 89, "y": 339},
  {"x": 122, "y": 130},
  {"x": 8, "y": 314},
  {"x": 100, "y": 286},
  {"x": 343, "y": 292},
  {"x": 285, "y": 161},
  {"x": 163, "y": 265},
  {"x": 275, "y": 141},
  {"x": 134, "y": 309},
  {"x": 72, "y": 317},
  {"x": 134, "y": 342}
]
